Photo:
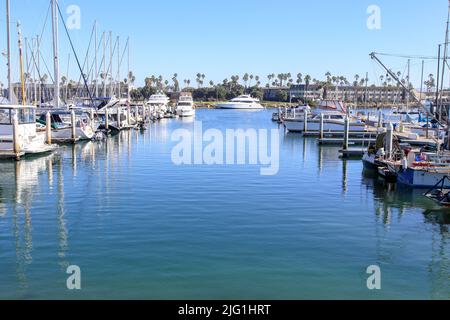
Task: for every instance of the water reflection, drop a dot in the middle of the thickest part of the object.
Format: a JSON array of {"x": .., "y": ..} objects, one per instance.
[
  {"x": 69, "y": 176},
  {"x": 19, "y": 186}
]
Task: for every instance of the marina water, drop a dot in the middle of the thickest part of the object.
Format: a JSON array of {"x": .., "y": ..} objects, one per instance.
[{"x": 140, "y": 227}]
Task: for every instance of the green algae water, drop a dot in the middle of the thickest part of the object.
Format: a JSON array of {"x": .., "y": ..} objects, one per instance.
[{"x": 141, "y": 227}]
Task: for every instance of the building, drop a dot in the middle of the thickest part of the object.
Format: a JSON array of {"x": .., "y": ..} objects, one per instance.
[
  {"x": 45, "y": 92},
  {"x": 351, "y": 94}
]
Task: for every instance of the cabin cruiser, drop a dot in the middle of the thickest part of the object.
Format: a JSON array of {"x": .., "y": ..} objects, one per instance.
[
  {"x": 333, "y": 112},
  {"x": 332, "y": 122},
  {"x": 244, "y": 102},
  {"x": 185, "y": 106},
  {"x": 159, "y": 102},
  {"x": 30, "y": 141}
]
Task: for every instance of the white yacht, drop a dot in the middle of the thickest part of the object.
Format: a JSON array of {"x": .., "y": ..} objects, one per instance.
[
  {"x": 185, "y": 106},
  {"x": 159, "y": 102},
  {"x": 30, "y": 141},
  {"x": 244, "y": 102},
  {"x": 332, "y": 122}
]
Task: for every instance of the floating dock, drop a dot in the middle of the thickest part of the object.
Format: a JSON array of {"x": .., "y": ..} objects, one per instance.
[{"x": 340, "y": 141}]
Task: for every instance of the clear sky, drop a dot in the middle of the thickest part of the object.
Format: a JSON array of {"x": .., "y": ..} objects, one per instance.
[{"x": 221, "y": 38}]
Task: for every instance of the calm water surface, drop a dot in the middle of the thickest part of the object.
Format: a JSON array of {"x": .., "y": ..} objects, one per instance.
[{"x": 140, "y": 227}]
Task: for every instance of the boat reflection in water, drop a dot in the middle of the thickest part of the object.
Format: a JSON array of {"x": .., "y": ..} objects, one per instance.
[
  {"x": 390, "y": 197},
  {"x": 29, "y": 184}
]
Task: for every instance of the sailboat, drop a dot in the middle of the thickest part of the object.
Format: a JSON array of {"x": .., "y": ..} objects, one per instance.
[
  {"x": 18, "y": 130},
  {"x": 61, "y": 115}
]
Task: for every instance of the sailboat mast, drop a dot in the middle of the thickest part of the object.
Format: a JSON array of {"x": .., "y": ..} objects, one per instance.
[
  {"x": 118, "y": 67},
  {"x": 8, "y": 30},
  {"x": 34, "y": 71},
  {"x": 104, "y": 65},
  {"x": 129, "y": 71},
  {"x": 96, "y": 61},
  {"x": 56, "y": 97},
  {"x": 111, "y": 65},
  {"x": 409, "y": 84},
  {"x": 22, "y": 78},
  {"x": 444, "y": 60}
]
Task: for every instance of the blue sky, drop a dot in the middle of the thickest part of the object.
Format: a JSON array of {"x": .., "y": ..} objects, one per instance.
[{"x": 221, "y": 38}]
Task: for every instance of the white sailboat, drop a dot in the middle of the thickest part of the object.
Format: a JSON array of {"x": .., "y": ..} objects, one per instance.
[{"x": 27, "y": 139}]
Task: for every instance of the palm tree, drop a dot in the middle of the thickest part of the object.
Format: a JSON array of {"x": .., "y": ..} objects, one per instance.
[
  {"x": 269, "y": 79},
  {"x": 299, "y": 78},
  {"x": 258, "y": 83},
  {"x": 307, "y": 81},
  {"x": 245, "y": 78}
]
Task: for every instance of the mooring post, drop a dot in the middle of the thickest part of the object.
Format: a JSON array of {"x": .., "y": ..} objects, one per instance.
[
  {"x": 305, "y": 128},
  {"x": 92, "y": 116},
  {"x": 48, "y": 128},
  {"x": 321, "y": 126},
  {"x": 74, "y": 126},
  {"x": 106, "y": 119},
  {"x": 380, "y": 119},
  {"x": 16, "y": 143},
  {"x": 346, "y": 132},
  {"x": 119, "y": 114},
  {"x": 129, "y": 115},
  {"x": 390, "y": 140}
]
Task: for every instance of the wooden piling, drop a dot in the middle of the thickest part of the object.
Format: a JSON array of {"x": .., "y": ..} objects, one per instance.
[
  {"x": 129, "y": 115},
  {"x": 106, "y": 119},
  {"x": 346, "y": 132},
  {"x": 16, "y": 137},
  {"x": 321, "y": 126},
  {"x": 305, "y": 129},
  {"x": 92, "y": 117},
  {"x": 119, "y": 114},
  {"x": 48, "y": 128},
  {"x": 74, "y": 126}
]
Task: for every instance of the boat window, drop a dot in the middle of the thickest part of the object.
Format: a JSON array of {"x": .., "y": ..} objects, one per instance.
[
  {"x": 336, "y": 117},
  {"x": 25, "y": 115},
  {"x": 5, "y": 116}
]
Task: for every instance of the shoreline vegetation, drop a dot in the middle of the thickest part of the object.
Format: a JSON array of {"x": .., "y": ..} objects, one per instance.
[{"x": 207, "y": 93}]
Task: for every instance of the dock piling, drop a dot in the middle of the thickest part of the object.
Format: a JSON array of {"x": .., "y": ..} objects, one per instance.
[
  {"x": 390, "y": 140},
  {"x": 305, "y": 129},
  {"x": 321, "y": 126},
  {"x": 119, "y": 114},
  {"x": 16, "y": 144},
  {"x": 346, "y": 133},
  {"x": 107, "y": 119},
  {"x": 129, "y": 115},
  {"x": 48, "y": 128},
  {"x": 74, "y": 126}
]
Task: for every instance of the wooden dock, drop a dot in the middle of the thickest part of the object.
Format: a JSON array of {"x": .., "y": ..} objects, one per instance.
[
  {"x": 340, "y": 134},
  {"x": 340, "y": 141},
  {"x": 10, "y": 154},
  {"x": 352, "y": 153}
]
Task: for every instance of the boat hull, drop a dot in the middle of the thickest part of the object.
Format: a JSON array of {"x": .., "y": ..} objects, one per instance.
[
  {"x": 417, "y": 178},
  {"x": 328, "y": 126},
  {"x": 236, "y": 106}
]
